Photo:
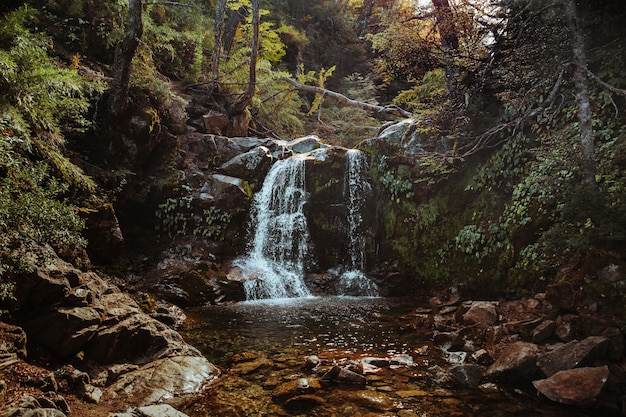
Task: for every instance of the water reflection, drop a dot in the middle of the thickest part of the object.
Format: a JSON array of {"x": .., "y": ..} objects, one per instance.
[{"x": 338, "y": 330}]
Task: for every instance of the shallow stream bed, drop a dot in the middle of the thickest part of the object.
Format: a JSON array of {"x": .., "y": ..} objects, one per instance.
[{"x": 262, "y": 348}]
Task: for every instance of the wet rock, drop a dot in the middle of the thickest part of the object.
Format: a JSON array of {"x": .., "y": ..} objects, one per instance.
[
  {"x": 302, "y": 403},
  {"x": 482, "y": 357},
  {"x": 295, "y": 388},
  {"x": 401, "y": 360},
  {"x": 250, "y": 165},
  {"x": 543, "y": 331},
  {"x": 305, "y": 144},
  {"x": 567, "y": 328},
  {"x": 412, "y": 393},
  {"x": 246, "y": 368},
  {"x": 403, "y": 133},
  {"x": 159, "y": 410},
  {"x": 378, "y": 362},
  {"x": 448, "y": 340},
  {"x": 573, "y": 354},
  {"x": 164, "y": 379},
  {"x": 517, "y": 361},
  {"x": 343, "y": 376},
  {"x": 481, "y": 312},
  {"x": 311, "y": 362},
  {"x": 455, "y": 358},
  {"x": 467, "y": 375},
  {"x": 373, "y": 400},
  {"x": 581, "y": 386}
]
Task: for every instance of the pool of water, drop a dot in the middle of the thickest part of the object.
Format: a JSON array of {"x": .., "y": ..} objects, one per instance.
[{"x": 276, "y": 336}]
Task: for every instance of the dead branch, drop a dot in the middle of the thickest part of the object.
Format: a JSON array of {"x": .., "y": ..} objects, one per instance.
[
  {"x": 606, "y": 85},
  {"x": 485, "y": 140},
  {"x": 348, "y": 101}
]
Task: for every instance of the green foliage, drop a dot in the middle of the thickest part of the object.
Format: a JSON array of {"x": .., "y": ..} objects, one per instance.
[
  {"x": 397, "y": 182},
  {"x": 425, "y": 97},
  {"x": 505, "y": 166},
  {"x": 40, "y": 102},
  {"x": 178, "y": 217}
]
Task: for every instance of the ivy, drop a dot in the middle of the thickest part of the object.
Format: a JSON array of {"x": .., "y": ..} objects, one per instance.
[{"x": 177, "y": 217}]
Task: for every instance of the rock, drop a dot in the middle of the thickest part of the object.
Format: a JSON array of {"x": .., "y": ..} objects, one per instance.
[
  {"x": 311, "y": 362},
  {"x": 302, "y": 403},
  {"x": 543, "y": 331},
  {"x": 517, "y": 361},
  {"x": 402, "y": 360},
  {"x": 573, "y": 354},
  {"x": 482, "y": 357},
  {"x": 448, "y": 340},
  {"x": 295, "y": 388},
  {"x": 373, "y": 400},
  {"x": 581, "y": 386},
  {"x": 215, "y": 123},
  {"x": 164, "y": 379},
  {"x": 66, "y": 331},
  {"x": 467, "y": 375},
  {"x": 305, "y": 144},
  {"x": 103, "y": 234},
  {"x": 92, "y": 394},
  {"x": 28, "y": 406},
  {"x": 481, "y": 312},
  {"x": 615, "y": 349},
  {"x": 567, "y": 327},
  {"x": 343, "y": 376},
  {"x": 14, "y": 340},
  {"x": 159, "y": 410},
  {"x": 402, "y": 133},
  {"x": 250, "y": 165},
  {"x": 246, "y": 368},
  {"x": 412, "y": 393}
]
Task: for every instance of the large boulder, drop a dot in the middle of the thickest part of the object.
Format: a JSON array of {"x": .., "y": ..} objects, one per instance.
[
  {"x": 581, "y": 386},
  {"x": 84, "y": 313},
  {"x": 573, "y": 355},
  {"x": 251, "y": 165},
  {"x": 518, "y": 362},
  {"x": 481, "y": 312}
]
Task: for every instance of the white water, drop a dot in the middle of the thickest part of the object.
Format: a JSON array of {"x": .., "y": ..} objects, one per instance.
[
  {"x": 357, "y": 190},
  {"x": 274, "y": 267}
]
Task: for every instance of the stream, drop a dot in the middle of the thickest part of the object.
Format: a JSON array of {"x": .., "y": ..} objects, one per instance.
[{"x": 262, "y": 347}]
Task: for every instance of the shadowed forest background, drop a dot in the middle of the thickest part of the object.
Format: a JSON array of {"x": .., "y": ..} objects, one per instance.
[{"x": 513, "y": 179}]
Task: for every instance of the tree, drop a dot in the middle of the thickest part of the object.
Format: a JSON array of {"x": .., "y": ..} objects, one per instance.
[
  {"x": 220, "y": 9},
  {"x": 444, "y": 19},
  {"x": 581, "y": 84},
  {"x": 239, "y": 112},
  {"x": 124, "y": 54}
]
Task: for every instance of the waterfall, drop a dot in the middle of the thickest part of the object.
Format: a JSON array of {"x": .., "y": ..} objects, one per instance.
[
  {"x": 357, "y": 189},
  {"x": 274, "y": 267}
]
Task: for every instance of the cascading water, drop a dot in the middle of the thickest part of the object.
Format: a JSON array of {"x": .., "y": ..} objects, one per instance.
[
  {"x": 274, "y": 267},
  {"x": 357, "y": 189}
]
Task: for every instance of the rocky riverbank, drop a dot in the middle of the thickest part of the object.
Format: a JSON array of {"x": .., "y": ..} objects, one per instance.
[{"x": 77, "y": 334}]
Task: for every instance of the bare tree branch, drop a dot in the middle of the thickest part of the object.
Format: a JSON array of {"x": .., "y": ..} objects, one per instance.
[
  {"x": 484, "y": 140},
  {"x": 606, "y": 85},
  {"x": 348, "y": 101}
]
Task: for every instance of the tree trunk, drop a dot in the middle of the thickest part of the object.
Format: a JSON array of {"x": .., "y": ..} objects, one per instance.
[
  {"x": 234, "y": 20},
  {"x": 581, "y": 84},
  {"x": 450, "y": 46},
  {"x": 124, "y": 53},
  {"x": 220, "y": 10},
  {"x": 239, "y": 112}
]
